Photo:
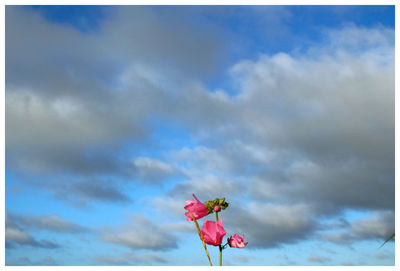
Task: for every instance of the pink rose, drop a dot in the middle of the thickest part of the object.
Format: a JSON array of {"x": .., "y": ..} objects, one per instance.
[
  {"x": 237, "y": 241},
  {"x": 213, "y": 232},
  {"x": 197, "y": 208}
]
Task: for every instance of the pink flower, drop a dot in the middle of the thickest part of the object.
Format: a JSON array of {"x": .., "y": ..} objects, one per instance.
[
  {"x": 197, "y": 208},
  {"x": 217, "y": 208},
  {"x": 237, "y": 241},
  {"x": 213, "y": 232}
]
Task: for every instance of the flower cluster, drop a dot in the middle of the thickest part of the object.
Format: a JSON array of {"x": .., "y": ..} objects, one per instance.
[{"x": 212, "y": 233}]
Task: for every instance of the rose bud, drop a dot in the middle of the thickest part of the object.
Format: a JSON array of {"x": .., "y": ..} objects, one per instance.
[{"x": 237, "y": 241}]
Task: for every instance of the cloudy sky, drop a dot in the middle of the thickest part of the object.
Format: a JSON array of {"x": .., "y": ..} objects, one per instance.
[{"x": 116, "y": 115}]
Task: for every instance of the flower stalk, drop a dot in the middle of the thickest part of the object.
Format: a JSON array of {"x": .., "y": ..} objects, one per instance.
[
  {"x": 220, "y": 247},
  {"x": 220, "y": 255},
  {"x": 201, "y": 237}
]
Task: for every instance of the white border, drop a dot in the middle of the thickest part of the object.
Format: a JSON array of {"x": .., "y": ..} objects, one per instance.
[{"x": 183, "y": 2}]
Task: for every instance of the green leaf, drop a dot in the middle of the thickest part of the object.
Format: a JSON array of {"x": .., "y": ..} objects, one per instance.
[{"x": 217, "y": 202}]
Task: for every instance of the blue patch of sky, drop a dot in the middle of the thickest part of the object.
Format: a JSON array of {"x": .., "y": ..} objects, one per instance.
[
  {"x": 308, "y": 21},
  {"x": 26, "y": 198},
  {"x": 84, "y": 18},
  {"x": 35, "y": 201},
  {"x": 72, "y": 251},
  {"x": 168, "y": 135},
  {"x": 163, "y": 136},
  {"x": 95, "y": 215}
]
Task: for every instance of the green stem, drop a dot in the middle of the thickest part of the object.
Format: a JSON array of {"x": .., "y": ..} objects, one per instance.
[
  {"x": 220, "y": 255},
  {"x": 220, "y": 247},
  {"x": 201, "y": 237}
]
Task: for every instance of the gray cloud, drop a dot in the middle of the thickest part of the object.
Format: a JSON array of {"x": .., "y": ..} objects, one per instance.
[
  {"x": 348, "y": 263},
  {"x": 16, "y": 233},
  {"x": 288, "y": 261},
  {"x": 378, "y": 225},
  {"x": 383, "y": 256},
  {"x": 16, "y": 236},
  {"x": 84, "y": 191},
  {"x": 318, "y": 259},
  {"x": 99, "y": 189},
  {"x": 268, "y": 225},
  {"x": 48, "y": 222},
  {"x": 152, "y": 170},
  {"x": 21, "y": 261},
  {"x": 140, "y": 233},
  {"x": 180, "y": 227},
  {"x": 25, "y": 261},
  {"x": 48, "y": 260},
  {"x": 130, "y": 258},
  {"x": 234, "y": 157},
  {"x": 206, "y": 188},
  {"x": 147, "y": 36},
  {"x": 242, "y": 258},
  {"x": 135, "y": 33}
]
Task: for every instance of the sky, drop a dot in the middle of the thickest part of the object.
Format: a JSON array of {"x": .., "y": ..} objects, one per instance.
[{"x": 116, "y": 115}]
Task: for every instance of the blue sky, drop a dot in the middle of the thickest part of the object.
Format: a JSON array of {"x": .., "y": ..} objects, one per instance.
[{"x": 115, "y": 115}]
